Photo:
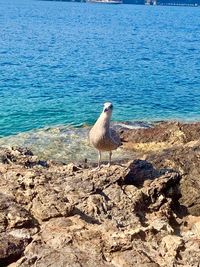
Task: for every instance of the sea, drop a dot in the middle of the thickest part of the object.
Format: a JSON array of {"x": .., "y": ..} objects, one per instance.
[{"x": 60, "y": 61}]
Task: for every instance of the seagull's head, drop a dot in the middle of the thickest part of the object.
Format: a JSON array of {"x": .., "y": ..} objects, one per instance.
[{"x": 107, "y": 108}]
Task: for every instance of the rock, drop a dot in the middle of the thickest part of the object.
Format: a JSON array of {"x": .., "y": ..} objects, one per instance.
[
  {"x": 161, "y": 136},
  {"x": 143, "y": 213},
  {"x": 171, "y": 245},
  {"x": 65, "y": 242},
  {"x": 14, "y": 216},
  {"x": 131, "y": 258},
  {"x": 196, "y": 229},
  {"x": 190, "y": 254},
  {"x": 191, "y": 226},
  {"x": 184, "y": 160},
  {"x": 172, "y": 146},
  {"x": 16, "y": 229},
  {"x": 6, "y": 156},
  {"x": 140, "y": 171},
  {"x": 11, "y": 248}
]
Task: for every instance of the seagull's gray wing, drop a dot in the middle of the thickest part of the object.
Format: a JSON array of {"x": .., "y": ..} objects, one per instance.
[{"x": 115, "y": 137}]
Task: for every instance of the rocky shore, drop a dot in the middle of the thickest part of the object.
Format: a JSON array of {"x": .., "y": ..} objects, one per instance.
[{"x": 143, "y": 212}]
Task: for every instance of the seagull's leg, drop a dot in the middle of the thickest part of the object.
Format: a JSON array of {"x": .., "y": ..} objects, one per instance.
[
  {"x": 99, "y": 160},
  {"x": 99, "y": 163},
  {"x": 110, "y": 155}
]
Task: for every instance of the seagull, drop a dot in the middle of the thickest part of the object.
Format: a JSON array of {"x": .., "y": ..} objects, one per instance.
[{"x": 101, "y": 136}]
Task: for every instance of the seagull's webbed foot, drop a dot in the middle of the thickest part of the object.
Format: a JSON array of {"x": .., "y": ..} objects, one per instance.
[
  {"x": 108, "y": 165},
  {"x": 96, "y": 169}
]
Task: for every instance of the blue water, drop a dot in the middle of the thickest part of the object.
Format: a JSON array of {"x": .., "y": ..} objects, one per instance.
[{"x": 60, "y": 61}]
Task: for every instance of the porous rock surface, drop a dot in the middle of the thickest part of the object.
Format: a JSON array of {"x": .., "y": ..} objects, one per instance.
[
  {"x": 144, "y": 212},
  {"x": 173, "y": 146}
]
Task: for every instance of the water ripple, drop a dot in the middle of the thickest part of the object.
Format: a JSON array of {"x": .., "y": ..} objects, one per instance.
[{"x": 57, "y": 65}]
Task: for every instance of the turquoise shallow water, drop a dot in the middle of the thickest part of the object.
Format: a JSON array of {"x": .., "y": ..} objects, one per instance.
[
  {"x": 63, "y": 143},
  {"x": 60, "y": 61}
]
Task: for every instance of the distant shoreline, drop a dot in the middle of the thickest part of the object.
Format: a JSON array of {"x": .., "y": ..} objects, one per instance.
[{"x": 136, "y": 2}]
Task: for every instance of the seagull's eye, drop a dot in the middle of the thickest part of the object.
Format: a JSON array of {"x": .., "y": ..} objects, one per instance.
[
  {"x": 111, "y": 106},
  {"x": 106, "y": 109}
]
